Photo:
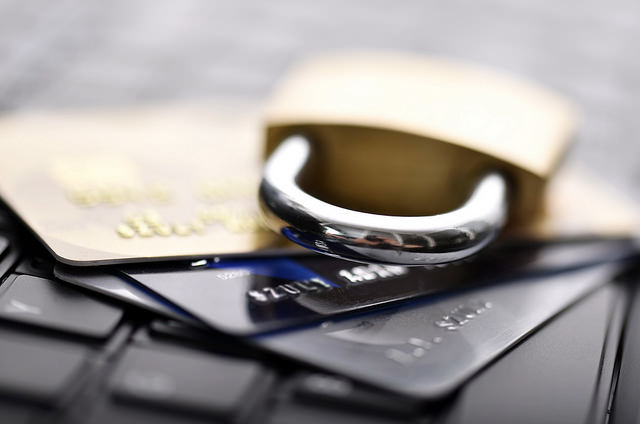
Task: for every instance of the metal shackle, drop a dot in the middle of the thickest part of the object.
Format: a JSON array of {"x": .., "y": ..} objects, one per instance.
[{"x": 374, "y": 238}]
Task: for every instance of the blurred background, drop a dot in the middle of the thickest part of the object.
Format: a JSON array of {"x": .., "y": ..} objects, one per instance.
[{"x": 79, "y": 53}]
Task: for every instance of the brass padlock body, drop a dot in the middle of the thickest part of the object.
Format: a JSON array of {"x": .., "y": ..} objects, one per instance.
[{"x": 405, "y": 135}]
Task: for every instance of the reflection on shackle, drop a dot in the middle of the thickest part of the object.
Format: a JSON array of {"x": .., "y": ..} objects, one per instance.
[{"x": 373, "y": 238}]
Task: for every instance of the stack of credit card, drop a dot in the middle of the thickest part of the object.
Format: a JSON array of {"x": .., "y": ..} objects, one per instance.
[{"x": 174, "y": 230}]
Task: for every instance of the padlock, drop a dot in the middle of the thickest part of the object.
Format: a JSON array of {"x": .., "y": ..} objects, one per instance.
[{"x": 391, "y": 158}]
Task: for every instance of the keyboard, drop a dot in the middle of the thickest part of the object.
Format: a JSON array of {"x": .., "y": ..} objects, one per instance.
[
  {"x": 61, "y": 364},
  {"x": 71, "y": 356}
]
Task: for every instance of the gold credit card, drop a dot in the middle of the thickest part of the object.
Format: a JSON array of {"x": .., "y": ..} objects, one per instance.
[
  {"x": 137, "y": 184},
  {"x": 579, "y": 204}
]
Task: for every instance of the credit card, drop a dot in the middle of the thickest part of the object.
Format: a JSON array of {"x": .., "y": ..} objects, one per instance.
[
  {"x": 427, "y": 348},
  {"x": 138, "y": 184},
  {"x": 114, "y": 286},
  {"x": 253, "y": 296}
]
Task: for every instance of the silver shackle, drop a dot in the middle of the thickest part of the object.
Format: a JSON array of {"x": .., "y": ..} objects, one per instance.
[{"x": 373, "y": 238}]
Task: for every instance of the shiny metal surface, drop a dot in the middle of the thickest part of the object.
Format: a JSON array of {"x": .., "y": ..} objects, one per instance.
[{"x": 365, "y": 237}]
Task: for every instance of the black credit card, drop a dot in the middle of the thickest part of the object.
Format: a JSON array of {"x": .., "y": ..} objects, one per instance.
[{"x": 427, "y": 347}]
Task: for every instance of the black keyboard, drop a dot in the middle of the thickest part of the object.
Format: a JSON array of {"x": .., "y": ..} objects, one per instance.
[{"x": 70, "y": 356}]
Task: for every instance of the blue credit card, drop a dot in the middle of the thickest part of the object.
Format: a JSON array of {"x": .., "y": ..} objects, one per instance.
[{"x": 255, "y": 296}]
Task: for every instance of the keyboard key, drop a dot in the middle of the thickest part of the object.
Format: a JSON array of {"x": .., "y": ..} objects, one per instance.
[
  {"x": 323, "y": 389},
  {"x": 8, "y": 254},
  {"x": 16, "y": 412},
  {"x": 165, "y": 329},
  {"x": 117, "y": 412},
  {"x": 36, "y": 265},
  {"x": 179, "y": 331},
  {"x": 4, "y": 245},
  {"x": 186, "y": 380},
  {"x": 305, "y": 414},
  {"x": 51, "y": 304},
  {"x": 38, "y": 372}
]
